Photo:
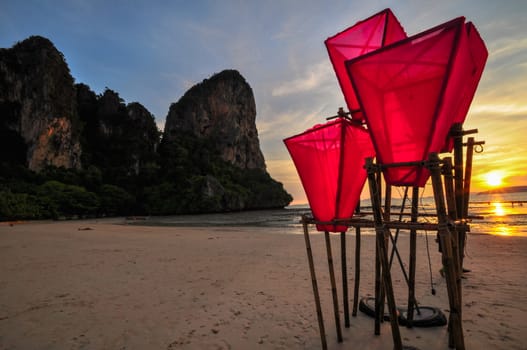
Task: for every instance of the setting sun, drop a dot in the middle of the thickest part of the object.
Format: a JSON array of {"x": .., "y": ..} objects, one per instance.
[{"x": 494, "y": 178}]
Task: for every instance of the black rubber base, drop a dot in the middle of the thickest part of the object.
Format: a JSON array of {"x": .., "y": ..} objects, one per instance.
[{"x": 426, "y": 316}]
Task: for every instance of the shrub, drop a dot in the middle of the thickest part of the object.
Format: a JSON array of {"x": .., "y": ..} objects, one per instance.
[
  {"x": 115, "y": 201},
  {"x": 68, "y": 200},
  {"x": 15, "y": 206}
]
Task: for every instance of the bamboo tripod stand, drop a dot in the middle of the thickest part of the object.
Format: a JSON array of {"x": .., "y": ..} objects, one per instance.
[{"x": 450, "y": 224}]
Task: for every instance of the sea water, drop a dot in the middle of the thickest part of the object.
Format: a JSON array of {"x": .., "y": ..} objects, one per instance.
[
  {"x": 496, "y": 214},
  {"x": 502, "y": 214}
]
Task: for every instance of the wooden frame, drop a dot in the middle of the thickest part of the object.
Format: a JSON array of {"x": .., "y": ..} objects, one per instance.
[{"x": 452, "y": 219}]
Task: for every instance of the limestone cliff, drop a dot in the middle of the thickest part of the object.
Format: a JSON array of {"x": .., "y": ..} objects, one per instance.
[
  {"x": 210, "y": 138},
  {"x": 37, "y": 103},
  {"x": 222, "y": 110},
  {"x": 209, "y": 159}
]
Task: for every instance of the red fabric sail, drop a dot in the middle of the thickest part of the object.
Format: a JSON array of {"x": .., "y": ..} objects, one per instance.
[
  {"x": 329, "y": 159},
  {"x": 411, "y": 92},
  {"x": 476, "y": 60},
  {"x": 370, "y": 34}
]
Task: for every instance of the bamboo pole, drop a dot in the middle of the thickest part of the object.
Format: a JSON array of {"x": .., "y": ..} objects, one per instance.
[
  {"x": 386, "y": 217},
  {"x": 433, "y": 215},
  {"x": 395, "y": 251},
  {"x": 420, "y": 226},
  {"x": 378, "y": 286},
  {"x": 376, "y": 176},
  {"x": 451, "y": 275},
  {"x": 457, "y": 131},
  {"x": 357, "y": 265},
  {"x": 412, "y": 260},
  {"x": 468, "y": 175},
  {"x": 466, "y": 196},
  {"x": 459, "y": 183},
  {"x": 381, "y": 235},
  {"x": 333, "y": 287},
  {"x": 344, "y": 269},
  {"x": 451, "y": 202},
  {"x": 453, "y": 213},
  {"x": 315, "y": 285},
  {"x": 387, "y": 202},
  {"x": 450, "y": 198}
]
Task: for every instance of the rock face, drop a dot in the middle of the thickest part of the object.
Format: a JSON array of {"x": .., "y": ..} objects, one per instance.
[
  {"x": 38, "y": 103},
  {"x": 221, "y": 110}
]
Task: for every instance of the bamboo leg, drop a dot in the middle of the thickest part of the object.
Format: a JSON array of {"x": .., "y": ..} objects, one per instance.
[
  {"x": 399, "y": 259},
  {"x": 381, "y": 237},
  {"x": 357, "y": 266},
  {"x": 452, "y": 209},
  {"x": 315, "y": 287},
  {"x": 387, "y": 202},
  {"x": 456, "y": 258},
  {"x": 468, "y": 175},
  {"x": 333, "y": 287},
  {"x": 450, "y": 192},
  {"x": 459, "y": 191},
  {"x": 387, "y": 214},
  {"x": 395, "y": 251},
  {"x": 378, "y": 286},
  {"x": 450, "y": 197},
  {"x": 379, "y": 314},
  {"x": 357, "y": 271},
  {"x": 403, "y": 204},
  {"x": 411, "y": 269},
  {"x": 344, "y": 280},
  {"x": 388, "y": 288},
  {"x": 466, "y": 196},
  {"x": 451, "y": 275},
  {"x": 458, "y": 166}
]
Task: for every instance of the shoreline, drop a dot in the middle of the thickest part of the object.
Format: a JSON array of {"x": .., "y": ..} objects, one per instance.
[
  {"x": 145, "y": 221},
  {"x": 136, "y": 287}
]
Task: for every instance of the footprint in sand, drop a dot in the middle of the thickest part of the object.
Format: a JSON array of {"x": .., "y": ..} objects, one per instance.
[{"x": 220, "y": 345}]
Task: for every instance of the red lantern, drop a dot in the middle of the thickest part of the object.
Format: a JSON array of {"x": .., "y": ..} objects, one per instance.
[
  {"x": 329, "y": 159},
  {"x": 412, "y": 91},
  {"x": 370, "y": 34},
  {"x": 474, "y": 65}
]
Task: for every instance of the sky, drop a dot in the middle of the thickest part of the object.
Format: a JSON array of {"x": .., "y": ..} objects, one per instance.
[{"x": 153, "y": 51}]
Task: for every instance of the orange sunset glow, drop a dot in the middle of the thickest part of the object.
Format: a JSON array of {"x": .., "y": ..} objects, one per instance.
[
  {"x": 494, "y": 178},
  {"x": 498, "y": 111},
  {"x": 499, "y": 163}
]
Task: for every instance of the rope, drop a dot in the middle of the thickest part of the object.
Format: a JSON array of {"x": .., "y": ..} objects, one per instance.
[
  {"x": 433, "y": 290},
  {"x": 429, "y": 264}
]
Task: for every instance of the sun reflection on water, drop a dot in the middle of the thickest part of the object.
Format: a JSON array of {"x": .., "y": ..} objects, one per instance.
[
  {"x": 499, "y": 209},
  {"x": 501, "y": 229},
  {"x": 505, "y": 230},
  {"x": 501, "y": 217}
]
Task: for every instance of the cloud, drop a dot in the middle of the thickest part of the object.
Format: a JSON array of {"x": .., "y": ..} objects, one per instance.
[
  {"x": 506, "y": 48},
  {"x": 499, "y": 108},
  {"x": 313, "y": 77}
]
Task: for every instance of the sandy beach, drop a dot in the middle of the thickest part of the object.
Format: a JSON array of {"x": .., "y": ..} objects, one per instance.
[{"x": 103, "y": 284}]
